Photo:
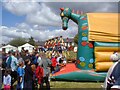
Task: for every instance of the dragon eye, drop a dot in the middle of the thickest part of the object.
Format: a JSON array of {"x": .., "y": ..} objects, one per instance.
[{"x": 62, "y": 14}]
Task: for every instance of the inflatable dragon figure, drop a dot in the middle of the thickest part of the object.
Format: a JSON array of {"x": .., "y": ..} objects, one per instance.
[
  {"x": 97, "y": 40},
  {"x": 85, "y": 49}
]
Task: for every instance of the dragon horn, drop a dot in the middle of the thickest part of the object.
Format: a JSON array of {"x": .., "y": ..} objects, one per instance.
[
  {"x": 62, "y": 9},
  {"x": 77, "y": 11},
  {"x": 81, "y": 12},
  {"x": 73, "y": 10}
]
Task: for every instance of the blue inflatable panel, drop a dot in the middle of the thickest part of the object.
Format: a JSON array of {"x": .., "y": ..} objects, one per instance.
[{"x": 107, "y": 44}]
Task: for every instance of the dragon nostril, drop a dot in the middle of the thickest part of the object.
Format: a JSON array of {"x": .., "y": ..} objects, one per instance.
[{"x": 64, "y": 28}]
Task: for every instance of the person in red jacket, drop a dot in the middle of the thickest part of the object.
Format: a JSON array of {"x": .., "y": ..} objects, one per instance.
[
  {"x": 39, "y": 74},
  {"x": 54, "y": 63}
]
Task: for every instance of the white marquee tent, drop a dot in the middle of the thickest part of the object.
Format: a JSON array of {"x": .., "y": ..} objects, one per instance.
[
  {"x": 26, "y": 46},
  {"x": 7, "y": 48}
]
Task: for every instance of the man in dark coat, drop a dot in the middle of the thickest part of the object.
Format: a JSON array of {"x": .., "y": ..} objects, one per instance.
[{"x": 112, "y": 81}]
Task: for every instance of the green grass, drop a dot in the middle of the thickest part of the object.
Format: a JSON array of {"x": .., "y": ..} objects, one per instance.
[{"x": 62, "y": 84}]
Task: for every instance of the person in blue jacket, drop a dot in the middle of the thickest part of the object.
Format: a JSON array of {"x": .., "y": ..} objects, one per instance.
[{"x": 20, "y": 72}]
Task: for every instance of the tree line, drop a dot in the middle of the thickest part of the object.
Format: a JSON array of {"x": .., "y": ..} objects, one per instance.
[{"x": 20, "y": 41}]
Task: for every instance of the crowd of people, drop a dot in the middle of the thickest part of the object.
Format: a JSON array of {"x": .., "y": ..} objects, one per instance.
[
  {"x": 56, "y": 44},
  {"x": 30, "y": 70}
]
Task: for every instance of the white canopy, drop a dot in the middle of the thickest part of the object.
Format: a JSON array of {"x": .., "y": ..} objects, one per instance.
[
  {"x": 26, "y": 46},
  {"x": 8, "y": 48}
]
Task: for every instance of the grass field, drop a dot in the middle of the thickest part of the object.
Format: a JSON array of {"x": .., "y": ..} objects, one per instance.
[{"x": 62, "y": 84}]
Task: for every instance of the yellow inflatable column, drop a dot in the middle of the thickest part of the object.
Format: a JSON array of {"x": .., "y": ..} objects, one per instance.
[{"x": 102, "y": 57}]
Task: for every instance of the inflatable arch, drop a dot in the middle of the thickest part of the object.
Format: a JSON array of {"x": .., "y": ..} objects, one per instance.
[{"x": 98, "y": 39}]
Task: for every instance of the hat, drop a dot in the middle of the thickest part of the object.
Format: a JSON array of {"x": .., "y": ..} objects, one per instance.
[
  {"x": 114, "y": 56},
  {"x": 20, "y": 60}
]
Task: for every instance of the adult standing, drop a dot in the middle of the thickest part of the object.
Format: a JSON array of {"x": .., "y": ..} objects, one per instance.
[
  {"x": 45, "y": 63},
  {"x": 14, "y": 65},
  {"x": 23, "y": 53},
  {"x": 112, "y": 81},
  {"x": 9, "y": 59},
  {"x": 28, "y": 77}
]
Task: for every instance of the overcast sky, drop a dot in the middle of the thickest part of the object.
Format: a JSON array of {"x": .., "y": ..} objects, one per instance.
[{"x": 41, "y": 20}]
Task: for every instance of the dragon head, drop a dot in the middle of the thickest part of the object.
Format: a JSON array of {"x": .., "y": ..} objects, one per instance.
[{"x": 65, "y": 15}]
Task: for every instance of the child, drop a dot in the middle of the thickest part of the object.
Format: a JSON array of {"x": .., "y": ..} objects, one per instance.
[
  {"x": 7, "y": 80},
  {"x": 39, "y": 74},
  {"x": 35, "y": 86},
  {"x": 21, "y": 73}
]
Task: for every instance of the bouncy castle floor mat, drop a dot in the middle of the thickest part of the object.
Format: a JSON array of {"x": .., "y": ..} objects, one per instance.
[{"x": 71, "y": 73}]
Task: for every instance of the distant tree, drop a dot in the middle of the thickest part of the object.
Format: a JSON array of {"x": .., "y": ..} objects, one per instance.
[
  {"x": 17, "y": 42},
  {"x": 76, "y": 39},
  {"x": 31, "y": 41}
]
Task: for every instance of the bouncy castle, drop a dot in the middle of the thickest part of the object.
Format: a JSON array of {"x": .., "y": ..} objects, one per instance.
[{"x": 98, "y": 38}]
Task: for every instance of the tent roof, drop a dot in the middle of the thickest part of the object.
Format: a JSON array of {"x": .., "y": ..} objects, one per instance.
[
  {"x": 8, "y": 46},
  {"x": 27, "y": 45}
]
